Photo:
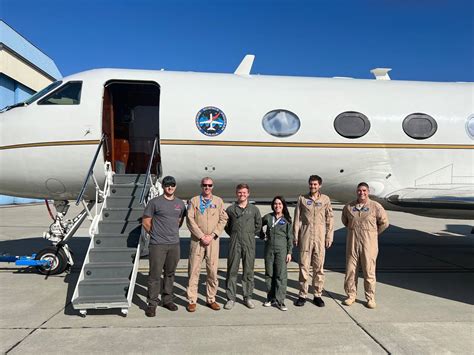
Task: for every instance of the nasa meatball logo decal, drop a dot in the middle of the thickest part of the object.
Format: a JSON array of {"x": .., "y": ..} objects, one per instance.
[{"x": 211, "y": 121}]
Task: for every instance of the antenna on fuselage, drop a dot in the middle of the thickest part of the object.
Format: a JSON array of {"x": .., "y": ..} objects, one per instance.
[
  {"x": 245, "y": 65},
  {"x": 381, "y": 73}
]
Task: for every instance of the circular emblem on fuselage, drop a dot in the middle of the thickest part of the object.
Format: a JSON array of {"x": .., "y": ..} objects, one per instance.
[{"x": 211, "y": 121}]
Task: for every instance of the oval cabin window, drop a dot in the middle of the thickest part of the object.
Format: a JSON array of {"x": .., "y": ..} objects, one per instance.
[
  {"x": 419, "y": 126},
  {"x": 470, "y": 126},
  {"x": 281, "y": 123},
  {"x": 352, "y": 124}
]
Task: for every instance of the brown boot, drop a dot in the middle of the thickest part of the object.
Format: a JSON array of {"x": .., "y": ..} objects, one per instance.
[
  {"x": 214, "y": 306},
  {"x": 150, "y": 311},
  {"x": 191, "y": 307}
]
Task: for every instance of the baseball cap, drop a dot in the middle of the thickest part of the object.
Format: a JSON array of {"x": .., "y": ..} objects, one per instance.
[{"x": 168, "y": 180}]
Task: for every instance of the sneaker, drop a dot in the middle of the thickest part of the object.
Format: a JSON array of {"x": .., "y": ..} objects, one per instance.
[
  {"x": 229, "y": 305},
  {"x": 150, "y": 311},
  {"x": 371, "y": 304},
  {"x": 348, "y": 301},
  {"x": 267, "y": 304},
  {"x": 318, "y": 301},
  {"x": 300, "y": 302},
  {"x": 281, "y": 306},
  {"x": 248, "y": 302}
]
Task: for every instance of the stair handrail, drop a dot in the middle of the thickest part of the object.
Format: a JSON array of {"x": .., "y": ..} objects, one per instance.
[
  {"x": 148, "y": 170},
  {"x": 91, "y": 169}
]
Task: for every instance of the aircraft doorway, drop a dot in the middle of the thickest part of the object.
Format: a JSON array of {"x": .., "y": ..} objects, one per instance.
[{"x": 131, "y": 123}]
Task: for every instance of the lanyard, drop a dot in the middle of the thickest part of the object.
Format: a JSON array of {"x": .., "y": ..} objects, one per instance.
[{"x": 274, "y": 223}]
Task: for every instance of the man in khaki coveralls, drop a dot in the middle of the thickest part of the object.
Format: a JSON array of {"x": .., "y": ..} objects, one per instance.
[
  {"x": 365, "y": 221},
  {"x": 313, "y": 231},
  {"x": 206, "y": 219}
]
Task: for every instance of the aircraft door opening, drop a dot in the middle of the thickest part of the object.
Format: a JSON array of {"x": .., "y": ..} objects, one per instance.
[{"x": 130, "y": 121}]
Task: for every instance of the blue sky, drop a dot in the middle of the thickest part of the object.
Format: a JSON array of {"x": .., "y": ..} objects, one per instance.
[{"x": 430, "y": 40}]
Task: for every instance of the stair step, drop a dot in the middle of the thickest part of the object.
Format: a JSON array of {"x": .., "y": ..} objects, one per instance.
[
  {"x": 113, "y": 240},
  {"x": 111, "y": 254},
  {"x": 128, "y": 190},
  {"x": 107, "y": 270},
  {"x": 129, "y": 178},
  {"x": 97, "y": 301},
  {"x": 123, "y": 214},
  {"x": 123, "y": 201},
  {"x": 104, "y": 286},
  {"x": 119, "y": 227}
]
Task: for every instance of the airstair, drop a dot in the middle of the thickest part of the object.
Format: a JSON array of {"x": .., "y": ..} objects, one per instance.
[
  {"x": 110, "y": 267},
  {"x": 108, "y": 274}
]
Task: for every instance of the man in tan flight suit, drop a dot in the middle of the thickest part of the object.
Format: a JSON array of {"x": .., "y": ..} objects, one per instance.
[
  {"x": 313, "y": 232},
  {"x": 365, "y": 221},
  {"x": 206, "y": 219}
]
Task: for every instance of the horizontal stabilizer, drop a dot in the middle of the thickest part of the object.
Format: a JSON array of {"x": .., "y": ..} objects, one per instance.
[{"x": 381, "y": 73}]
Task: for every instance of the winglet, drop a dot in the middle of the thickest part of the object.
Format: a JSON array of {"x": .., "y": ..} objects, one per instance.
[
  {"x": 245, "y": 65},
  {"x": 381, "y": 73}
]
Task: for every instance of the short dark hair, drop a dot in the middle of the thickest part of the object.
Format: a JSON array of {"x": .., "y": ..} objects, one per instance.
[
  {"x": 242, "y": 186},
  {"x": 315, "y": 178},
  {"x": 363, "y": 184}
]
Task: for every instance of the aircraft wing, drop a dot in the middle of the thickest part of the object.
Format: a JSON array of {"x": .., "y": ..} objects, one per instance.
[{"x": 457, "y": 197}]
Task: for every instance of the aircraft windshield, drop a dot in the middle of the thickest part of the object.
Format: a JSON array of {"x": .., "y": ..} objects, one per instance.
[{"x": 41, "y": 93}]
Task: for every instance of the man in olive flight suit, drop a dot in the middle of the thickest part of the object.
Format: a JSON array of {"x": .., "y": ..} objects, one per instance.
[
  {"x": 243, "y": 225},
  {"x": 365, "y": 221},
  {"x": 313, "y": 229}
]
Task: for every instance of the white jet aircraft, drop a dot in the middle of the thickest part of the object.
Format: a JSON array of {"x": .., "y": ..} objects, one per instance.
[{"x": 412, "y": 142}]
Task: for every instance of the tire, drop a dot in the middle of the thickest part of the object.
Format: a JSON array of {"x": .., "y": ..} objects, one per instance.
[{"x": 56, "y": 256}]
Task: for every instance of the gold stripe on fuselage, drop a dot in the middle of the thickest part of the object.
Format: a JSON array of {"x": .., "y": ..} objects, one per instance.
[
  {"x": 50, "y": 144},
  {"x": 313, "y": 145},
  {"x": 256, "y": 144}
]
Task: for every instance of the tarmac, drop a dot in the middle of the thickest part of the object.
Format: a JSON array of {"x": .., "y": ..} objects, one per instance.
[{"x": 425, "y": 296}]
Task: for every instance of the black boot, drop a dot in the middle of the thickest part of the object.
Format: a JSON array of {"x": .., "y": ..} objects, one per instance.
[
  {"x": 300, "y": 302},
  {"x": 318, "y": 301}
]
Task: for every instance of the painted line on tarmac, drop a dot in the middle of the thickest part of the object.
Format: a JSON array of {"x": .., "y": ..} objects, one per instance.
[{"x": 358, "y": 324}]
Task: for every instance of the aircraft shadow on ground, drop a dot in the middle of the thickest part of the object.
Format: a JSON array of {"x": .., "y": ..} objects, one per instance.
[{"x": 440, "y": 265}]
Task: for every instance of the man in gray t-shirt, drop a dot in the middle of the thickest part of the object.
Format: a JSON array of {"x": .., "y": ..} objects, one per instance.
[{"x": 162, "y": 218}]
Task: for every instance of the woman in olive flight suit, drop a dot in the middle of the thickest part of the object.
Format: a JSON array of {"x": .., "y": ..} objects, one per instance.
[{"x": 278, "y": 244}]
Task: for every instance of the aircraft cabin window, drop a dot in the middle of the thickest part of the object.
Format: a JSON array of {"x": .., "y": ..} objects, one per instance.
[
  {"x": 351, "y": 124},
  {"x": 470, "y": 126},
  {"x": 419, "y": 126},
  {"x": 281, "y": 123},
  {"x": 68, "y": 94}
]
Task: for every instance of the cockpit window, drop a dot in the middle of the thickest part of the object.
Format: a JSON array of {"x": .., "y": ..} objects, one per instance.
[
  {"x": 43, "y": 92},
  {"x": 68, "y": 94}
]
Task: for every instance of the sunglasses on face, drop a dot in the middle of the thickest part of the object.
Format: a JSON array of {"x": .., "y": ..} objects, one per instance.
[
  {"x": 170, "y": 185},
  {"x": 206, "y": 185}
]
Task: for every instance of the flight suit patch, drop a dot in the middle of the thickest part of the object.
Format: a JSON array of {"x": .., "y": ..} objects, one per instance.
[
  {"x": 309, "y": 202},
  {"x": 281, "y": 222},
  {"x": 319, "y": 204}
]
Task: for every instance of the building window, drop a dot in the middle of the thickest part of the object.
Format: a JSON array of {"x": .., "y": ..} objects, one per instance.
[
  {"x": 470, "y": 126},
  {"x": 419, "y": 126},
  {"x": 351, "y": 124},
  {"x": 68, "y": 94},
  {"x": 281, "y": 123}
]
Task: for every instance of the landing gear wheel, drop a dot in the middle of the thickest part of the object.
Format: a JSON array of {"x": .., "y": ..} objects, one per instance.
[{"x": 57, "y": 259}]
